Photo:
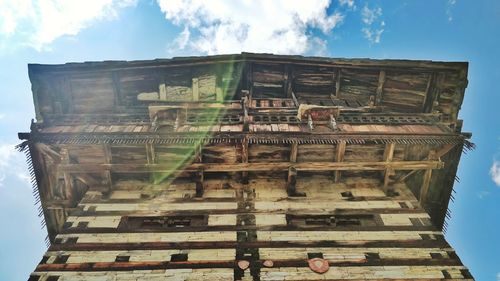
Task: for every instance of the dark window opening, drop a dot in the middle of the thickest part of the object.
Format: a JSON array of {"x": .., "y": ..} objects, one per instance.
[
  {"x": 446, "y": 274},
  {"x": 314, "y": 255},
  {"x": 44, "y": 259},
  {"x": 346, "y": 194},
  {"x": 61, "y": 259},
  {"x": 404, "y": 205},
  {"x": 52, "y": 278},
  {"x": 178, "y": 257},
  {"x": 372, "y": 256},
  {"x": 466, "y": 274},
  {"x": 162, "y": 222},
  {"x": 436, "y": 256},
  {"x": 83, "y": 224},
  {"x": 71, "y": 240},
  {"x": 67, "y": 225},
  {"x": 425, "y": 236},
  {"x": 122, "y": 258},
  {"x": 329, "y": 220}
]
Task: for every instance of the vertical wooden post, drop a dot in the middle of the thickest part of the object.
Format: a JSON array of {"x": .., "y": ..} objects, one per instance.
[
  {"x": 340, "y": 158},
  {"x": 388, "y": 155},
  {"x": 244, "y": 158},
  {"x": 199, "y": 184},
  {"x": 293, "y": 152},
  {"x": 291, "y": 182},
  {"x": 107, "y": 160}
]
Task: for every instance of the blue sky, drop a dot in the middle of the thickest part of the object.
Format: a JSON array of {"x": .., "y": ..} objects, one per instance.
[{"x": 56, "y": 31}]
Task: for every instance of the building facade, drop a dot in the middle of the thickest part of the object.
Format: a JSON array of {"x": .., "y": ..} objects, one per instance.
[{"x": 247, "y": 167}]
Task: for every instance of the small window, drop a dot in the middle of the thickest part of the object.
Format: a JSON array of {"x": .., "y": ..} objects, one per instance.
[
  {"x": 83, "y": 224},
  {"x": 446, "y": 274},
  {"x": 466, "y": 274},
  {"x": 346, "y": 194},
  {"x": 44, "y": 259},
  {"x": 71, "y": 240},
  {"x": 122, "y": 258},
  {"x": 436, "y": 256},
  {"x": 372, "y": 256},
  {"x": 403, "y": 205},
  {"x": 178, "y": 257},
  {"x": 52, "y": 278},
  {"x": 314, "y": 255},
  {"x": 162, "y": 222},
  {"x": 61, "y": 259}
]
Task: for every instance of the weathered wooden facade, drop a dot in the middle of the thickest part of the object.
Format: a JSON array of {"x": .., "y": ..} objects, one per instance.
[{"x": 247, "y": 167}]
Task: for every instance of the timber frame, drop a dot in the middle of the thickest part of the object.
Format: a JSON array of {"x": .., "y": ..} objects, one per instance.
[{"x": 246, "y": 126}]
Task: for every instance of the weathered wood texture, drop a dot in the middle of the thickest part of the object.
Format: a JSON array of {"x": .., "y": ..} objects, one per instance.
[{"x": 205, "y": 168}]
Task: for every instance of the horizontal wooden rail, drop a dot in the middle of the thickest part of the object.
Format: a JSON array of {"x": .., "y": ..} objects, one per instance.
[{"x": 256, "y": 167}]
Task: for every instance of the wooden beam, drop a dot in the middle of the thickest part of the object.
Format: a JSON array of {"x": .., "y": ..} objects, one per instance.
[
  {"x": 263, "y": 167},
  {"x": 293, "y": 152},
  {"x": 388, "y": 155},
  {"x": 426, "y": 180},
  {"x": 291, "y": 263},
  {"x": 199, "y": 184},
  {"x": 291, "y": 188},
  {"x": 68, "y": 179},
  {"x": 107, "y": 159},
  {"x": 429, "y": 93},
  {"x": 445, "y": 149},
  {"x": 425, "y": 186},
  {"x": 380, "y": 88},
  {"x": 416, "y": 243},
  {"x": 244, "y": 159},
  {"x": 339, "y": 158},
  {"x": 150, "y": 153}
]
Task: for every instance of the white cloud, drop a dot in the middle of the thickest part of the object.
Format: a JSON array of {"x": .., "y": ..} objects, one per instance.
[
  {"x": 348, "y": 3},
  {"x": 449, "y": 7},
  {"x": 495, "y": 172},
  {"x": 224, "y": 26},
  {"x": 373, "y": 25},
  {"x": 37, "y": 23}
]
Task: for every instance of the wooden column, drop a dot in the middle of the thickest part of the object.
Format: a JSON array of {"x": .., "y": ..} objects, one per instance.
[
  {"x": 107, "y": 160},
  {"x": 244, "y": 159},
  {"x": 426, "y": 180},
  {"x": 388, "y": 155},
  {"x": 199, "y": 183},
  {"x": 340, "y": 158},
  {"x": 68, "y": 179},
  {"x": 291, "y": 182},
  {"x": 293, "y": 152}
]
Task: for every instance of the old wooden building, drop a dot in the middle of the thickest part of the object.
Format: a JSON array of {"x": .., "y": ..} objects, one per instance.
[{"x": 247, "y": 167}]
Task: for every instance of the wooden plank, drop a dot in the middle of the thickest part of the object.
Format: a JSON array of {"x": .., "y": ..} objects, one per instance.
[
  {"x": 264, "y": 167},
  {"x": 160, "y": 265},
  {"x": 438, "y": 243}
]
